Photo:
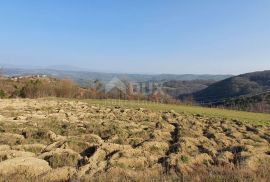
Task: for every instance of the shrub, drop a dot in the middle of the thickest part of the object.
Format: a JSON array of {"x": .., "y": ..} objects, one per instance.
[{"x": 2, "y": 94}]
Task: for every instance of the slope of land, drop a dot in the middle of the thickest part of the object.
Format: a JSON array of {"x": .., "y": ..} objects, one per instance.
[
  {"x": 255, "y": 103},
  {"x": 246, "y": 84},
  {"x": 61, "y": 140},
  {"x": 175, "y": 88}
]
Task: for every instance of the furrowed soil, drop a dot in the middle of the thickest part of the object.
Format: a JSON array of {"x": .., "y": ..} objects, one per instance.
[{"x": 65, "y": 140}]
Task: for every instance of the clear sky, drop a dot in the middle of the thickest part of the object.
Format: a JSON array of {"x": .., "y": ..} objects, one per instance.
[{"x": 138, "y": 36}]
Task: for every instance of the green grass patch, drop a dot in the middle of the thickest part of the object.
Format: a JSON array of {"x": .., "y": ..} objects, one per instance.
[{"x": 255, "y": 118}]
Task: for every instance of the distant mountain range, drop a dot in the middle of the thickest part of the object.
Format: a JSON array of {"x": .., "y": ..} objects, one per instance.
[{"x": 85, "y": 76}]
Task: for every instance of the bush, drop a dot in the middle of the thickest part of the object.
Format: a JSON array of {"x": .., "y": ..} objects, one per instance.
[{"x": 2, "y": 94}]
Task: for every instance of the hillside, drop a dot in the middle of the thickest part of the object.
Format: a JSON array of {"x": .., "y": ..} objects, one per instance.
[
  {"x": 256, "y": 103},
  {"x": 175, "y": 88},
  {"x": 94, "y": 140},
  {"x": 242, "y": 85}
]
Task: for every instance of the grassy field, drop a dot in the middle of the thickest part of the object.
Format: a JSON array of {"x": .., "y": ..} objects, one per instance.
[
  {"x": 256, "y": 118},
  {"x": 52, "y": 139}
]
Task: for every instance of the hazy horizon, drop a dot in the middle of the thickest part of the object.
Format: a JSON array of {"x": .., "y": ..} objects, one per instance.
[
  {"x": 75, "y": 68},
  {"x": 143, "y": 37}
]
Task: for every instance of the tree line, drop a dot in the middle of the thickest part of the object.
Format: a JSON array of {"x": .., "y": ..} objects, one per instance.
[{"x": 33, "y": 87}]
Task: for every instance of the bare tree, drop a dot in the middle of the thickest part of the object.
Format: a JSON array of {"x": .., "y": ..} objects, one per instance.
[{"x": 1, "y": 71}]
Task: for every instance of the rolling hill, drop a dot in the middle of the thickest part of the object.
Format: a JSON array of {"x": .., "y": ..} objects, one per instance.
[
  {"x": 175, "y": 88},
  {"x": 243, "y": 85},
  {"x": 82, "y": 76}
]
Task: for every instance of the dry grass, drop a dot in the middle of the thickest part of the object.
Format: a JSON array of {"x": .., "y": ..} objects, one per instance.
[{"x": 120, "y": 144}]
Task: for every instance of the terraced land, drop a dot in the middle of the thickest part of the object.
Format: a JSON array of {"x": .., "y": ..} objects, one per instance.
[{"x": 63, "y": 140}]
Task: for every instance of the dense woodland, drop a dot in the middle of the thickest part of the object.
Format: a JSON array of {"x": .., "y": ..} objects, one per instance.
[
  {"x": 257, "y": 103},
  {"x": 247, "y": 84}
]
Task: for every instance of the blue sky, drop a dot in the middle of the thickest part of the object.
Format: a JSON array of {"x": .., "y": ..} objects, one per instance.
[{"x": 138, "y": 36}]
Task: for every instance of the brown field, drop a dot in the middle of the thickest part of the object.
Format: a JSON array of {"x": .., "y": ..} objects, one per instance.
[{"x": 71, "y": 140}]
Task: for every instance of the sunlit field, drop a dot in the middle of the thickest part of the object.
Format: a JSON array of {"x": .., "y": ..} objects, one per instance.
[
  {"x": 257, "y": 118},
  {"x": 82, "y": 140}
]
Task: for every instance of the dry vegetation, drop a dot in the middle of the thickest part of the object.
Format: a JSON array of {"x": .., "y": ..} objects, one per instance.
[
  {"x": 61, "y": 140},
  {"x": 36, "y": 87}
]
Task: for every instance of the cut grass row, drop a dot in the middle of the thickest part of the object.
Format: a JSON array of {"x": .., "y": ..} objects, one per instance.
[{"x": 255, "y": 118}]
